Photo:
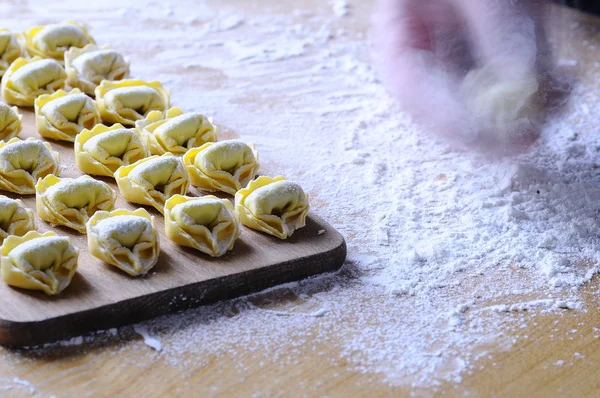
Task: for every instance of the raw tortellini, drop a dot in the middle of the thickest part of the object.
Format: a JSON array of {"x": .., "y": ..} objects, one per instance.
[
  {"x": 125, "y": 239},
  {"x": 28, "y": 78},
  {"x": 87, "y": 67},
  {"x": 151, "y": 181},
  {"x": 62, "y": 115},
  {"x": 224, "y": 166},
  {"x": 36, "y": 261},
  {"x": 102, "y": 150},
  {"x": 272, "y": 205},
  {"x": 208, "y": 224},
  {"x": 15, "y": 218},
  {"x": 10, "y": 122},
  {"x": 176, "y": 132},
  {"x": 23, "y": 162},
  {"x": 127, "y": 101},
  {"x": 51, "y": 41},
  {"x": 72, "y": 201},
  {"x": 10, "y": 49}
]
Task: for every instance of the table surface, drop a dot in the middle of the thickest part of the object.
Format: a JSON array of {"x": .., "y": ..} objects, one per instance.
[{"x": 117, "y": 362}]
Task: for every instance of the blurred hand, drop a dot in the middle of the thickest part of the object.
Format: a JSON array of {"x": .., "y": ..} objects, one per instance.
[{"x": 429, "y": 46}]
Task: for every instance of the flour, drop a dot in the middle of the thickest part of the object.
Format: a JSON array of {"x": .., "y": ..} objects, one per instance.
[{"x": 150, "y": 341}]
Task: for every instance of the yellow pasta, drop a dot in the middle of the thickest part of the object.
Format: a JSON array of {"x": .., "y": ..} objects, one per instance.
[
  {"x": 127, "y": 101},
  {"x": 10, "y": 122},
  {"x": 15, "y": 218},
  {"x": 87, "y": 67},
  {"x": 272, "y": 205},
  {"x": 102, "y": 150},
  {"x": 10, "y": 49},
  {"x": 72, "y": 201},
  {"x": 224, "y": 166},
  {"x": 23, "y": 162},
  {"x": 151, "y": 181},
  {"x": 123, "y": 238},
  {"x": 207, "y": 224},
  {"x": 36, "y": 261},
  {"x": 62, "y": 115},
  {"x": 175, "y": 132},
  {"x": 28, "y": 78},
  {"x": 51, "y": 41}
]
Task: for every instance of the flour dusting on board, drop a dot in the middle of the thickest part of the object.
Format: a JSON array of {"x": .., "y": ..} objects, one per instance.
[{"x": 451, "y": 255}]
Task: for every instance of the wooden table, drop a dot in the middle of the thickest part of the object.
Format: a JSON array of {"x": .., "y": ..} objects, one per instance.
[{"x": 121, "y": 366}]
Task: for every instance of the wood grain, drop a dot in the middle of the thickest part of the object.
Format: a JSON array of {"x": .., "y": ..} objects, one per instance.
[{"x": 101, "y": 296}]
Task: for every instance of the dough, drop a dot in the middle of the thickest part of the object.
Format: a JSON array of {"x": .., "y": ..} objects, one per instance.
[
  {"x": 102, "y": 150},
  {"x": 28, "y": 78},
  {"x": 10, "y": 49},
  {"x": 51, "y": 41},
  {"x": 15, "y": 218},
  {"x": 272, "y": 205},
  {"x": 207, "y": 224},
  {"x": 224, "y": 166},
  {"x": 10, "y": 122},
  {"x": 62, "y": 115},
  {"x": 175, "y": 132},
  {"x": 36, "y": 261},
  {"x": 125, "y": 239}
]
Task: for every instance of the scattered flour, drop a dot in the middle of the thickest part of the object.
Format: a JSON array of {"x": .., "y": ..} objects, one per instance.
[{"x": 150, "y": 341}]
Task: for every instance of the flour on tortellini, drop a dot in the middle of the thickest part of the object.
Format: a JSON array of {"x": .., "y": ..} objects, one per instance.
[
  {"x": 28, "y": 78},
  {"x": 51, "y": 41},
  {"x": 22, "y": 163},
  {"x": 10, "y": 49},
  {"x": 151, "y": 181},
  {"x": 126, "y": 239},
  {"x": 62, "y": 115},
  {"x": 175, "y": 131},
  {"x": 224, "y": 166},
  {"x": 87, "y": 67},
  {"x": 15, "y": 218},
  {"x": 102, "y": 150},
  {"x": 70, "y": 202},
  {"x": 10, "y": 122},
  {"x": 127, "y": 101},
  {"x": 272, "y": 205},
  {"x": 36, "y": 261},
  {"x": 207, "y": 224}
]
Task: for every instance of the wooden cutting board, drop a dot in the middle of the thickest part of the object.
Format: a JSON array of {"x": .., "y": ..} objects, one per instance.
[{"x": 101, "y": 296}]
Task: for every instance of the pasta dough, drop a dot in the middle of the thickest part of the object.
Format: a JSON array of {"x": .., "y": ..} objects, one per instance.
[
  {"x": 62, "y": 115},
  {"x": 127, "y": 101},
  {"x": 15, "y": 218},
  {"x": 102, "y": 150},
  {"x": 151, "y": 181},
  {"x": 87, "y": 67},
  {"x": 71, "y": 201},
  {"x": 36, "y": 261},
  {"x": 207, "y": 224},
  {"x": 28, "y": 78},
  {"x": 125, "y": 239},
  {"x": 10, "y": 122},
  {"x": 272, "y": 205},
  {"x": 176, "y": 132},
  {"x": 10, "y": 49},
  {"x": 223, "y": 166},
  {"x": 23, "y": 162},
  {"x": 51, "y": 41}
]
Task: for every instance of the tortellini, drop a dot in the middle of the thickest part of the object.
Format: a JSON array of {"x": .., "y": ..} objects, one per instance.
[
  {"x": 127, "y": 101},
  {"x": 176, "y": 132},
  {"x": 87, "y": 67},
  {"x": 10, "y": 49},
  {"x": 51, "y": 41},
  {"x": 224, "y": 166},
  {"x": 207, "y": 224},
  {"x": 102, "y": 150},
  {"x": 272, "y": 205},
  {"x": 10, "y": 122},
  {"x": 23, "y": 162},
  {"x": 72, "y": 201},
  {"x": 15, "y": 218},
  {"x": 125, "y": 239},
  {"x": 36, "y": 261},
  {"x": 62, "y": 115},
  {"x": 28, "y": 78},
  {"x": 151, "y": 181}
]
